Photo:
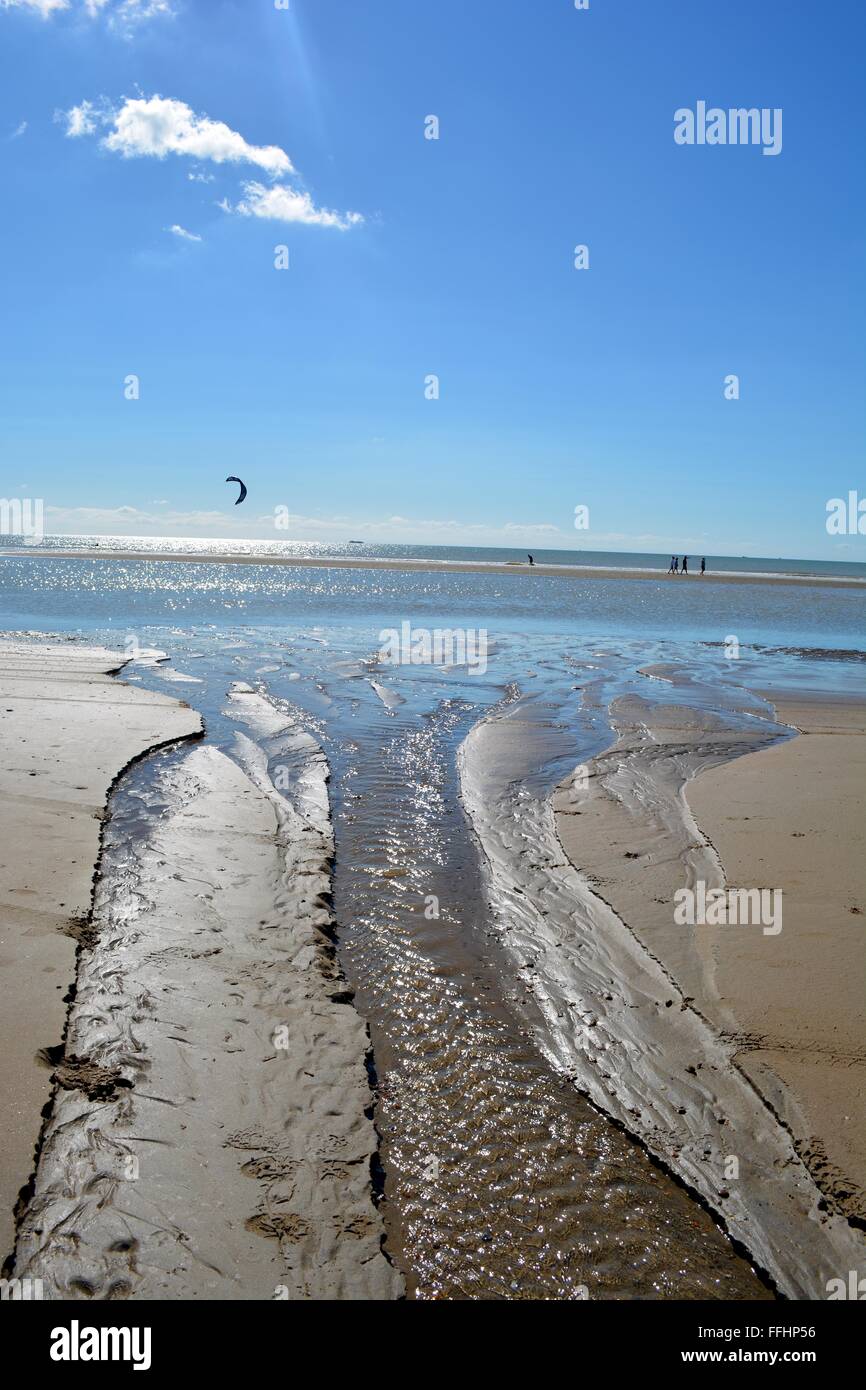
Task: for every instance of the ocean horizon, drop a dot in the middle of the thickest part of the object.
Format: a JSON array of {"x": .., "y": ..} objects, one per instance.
[{"x": 213, "y": 547}]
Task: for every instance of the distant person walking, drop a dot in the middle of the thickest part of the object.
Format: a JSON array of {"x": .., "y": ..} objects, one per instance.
[
  {"x": 685, "y": 568},
  {"x": 704, "y": 565},
  {"x": 672, "y": 568},
  {"x": 531, "y": 561}
]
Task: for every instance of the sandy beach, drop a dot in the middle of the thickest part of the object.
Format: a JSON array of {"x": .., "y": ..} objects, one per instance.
[
  {"x": 675, "y": 800},
  {"x": 209, "y": 1131},
  {"x": 791, "y": 816},
  {"x": 194, "y": 1092},
  {"x": 360, "y": 562}
]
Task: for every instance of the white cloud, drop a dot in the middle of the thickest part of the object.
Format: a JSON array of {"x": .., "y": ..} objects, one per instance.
[
  {"x": 135, "y": 521},
  {"x": 181, "y": 232},
  {"x": 19, "y": 130},
  {"x": 80, "y": 120},
  {"x": 157, "y": 126},
  {"x": 281, "y": 204},
  {"x": 245, "y": 524},
  {"x": 43, "y": 7},
  {"x": 128, "y": 13}
]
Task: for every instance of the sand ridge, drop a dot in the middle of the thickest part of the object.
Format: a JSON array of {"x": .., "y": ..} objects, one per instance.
[
  {"x": 68, "y": 730},
  {"x": 225, "y": 1152},
  {"x": 624, "y": 1028},
  {"x": 210, "y": 1134},
  {"x": 359, "y": 562}
]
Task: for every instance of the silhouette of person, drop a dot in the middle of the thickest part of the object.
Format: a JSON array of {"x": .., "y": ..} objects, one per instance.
[
  {"x": 673, "y": 565},
  {"x": 685, "y": 568},
  {"x": 531, "y": 561},
  {"x": 704, "y": 565}
]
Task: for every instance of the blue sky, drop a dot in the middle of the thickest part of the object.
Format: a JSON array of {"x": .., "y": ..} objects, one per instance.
[{"x": 454, "y": 257}]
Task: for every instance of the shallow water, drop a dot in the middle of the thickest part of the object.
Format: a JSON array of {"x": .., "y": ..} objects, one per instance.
[
  {"x": 127, "y": 595},
  {"x": 502, "y": 1181}
]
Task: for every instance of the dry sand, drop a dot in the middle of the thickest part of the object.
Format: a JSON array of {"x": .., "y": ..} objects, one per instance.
[
  {"x": 791, "y": 817},
  {"x": 68, "y": 729},
  {"x": 357, "y": 562},
  {"x": 678, "y": 799}
]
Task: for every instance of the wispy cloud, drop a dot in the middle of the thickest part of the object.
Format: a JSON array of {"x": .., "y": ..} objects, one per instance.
[
  {"x": 19, "y": 130},
  {"x": 182, "y": 232},
  {"x": 136, "y": 521},
  {"x": 80, "y": 120},
  {"x": 43, "y": 7},
  {"x": 122, "y": 15},
  {"x": 131, "y": 12},
  {"x": 153, "y": 127},
  {"x": 281, "y": 204},
  {"x": 396, "y": 529}
]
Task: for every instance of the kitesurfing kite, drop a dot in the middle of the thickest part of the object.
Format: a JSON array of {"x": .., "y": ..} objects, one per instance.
[{"x": 243, "y": 492}]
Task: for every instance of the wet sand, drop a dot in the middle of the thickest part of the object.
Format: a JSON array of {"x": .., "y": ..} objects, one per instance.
[
  {"x": 502, "y": 1180},
  {"x": 209, "y": 1134},
  {"x": 438, "y": 567},
  {"x": 68, "y": 729}
]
